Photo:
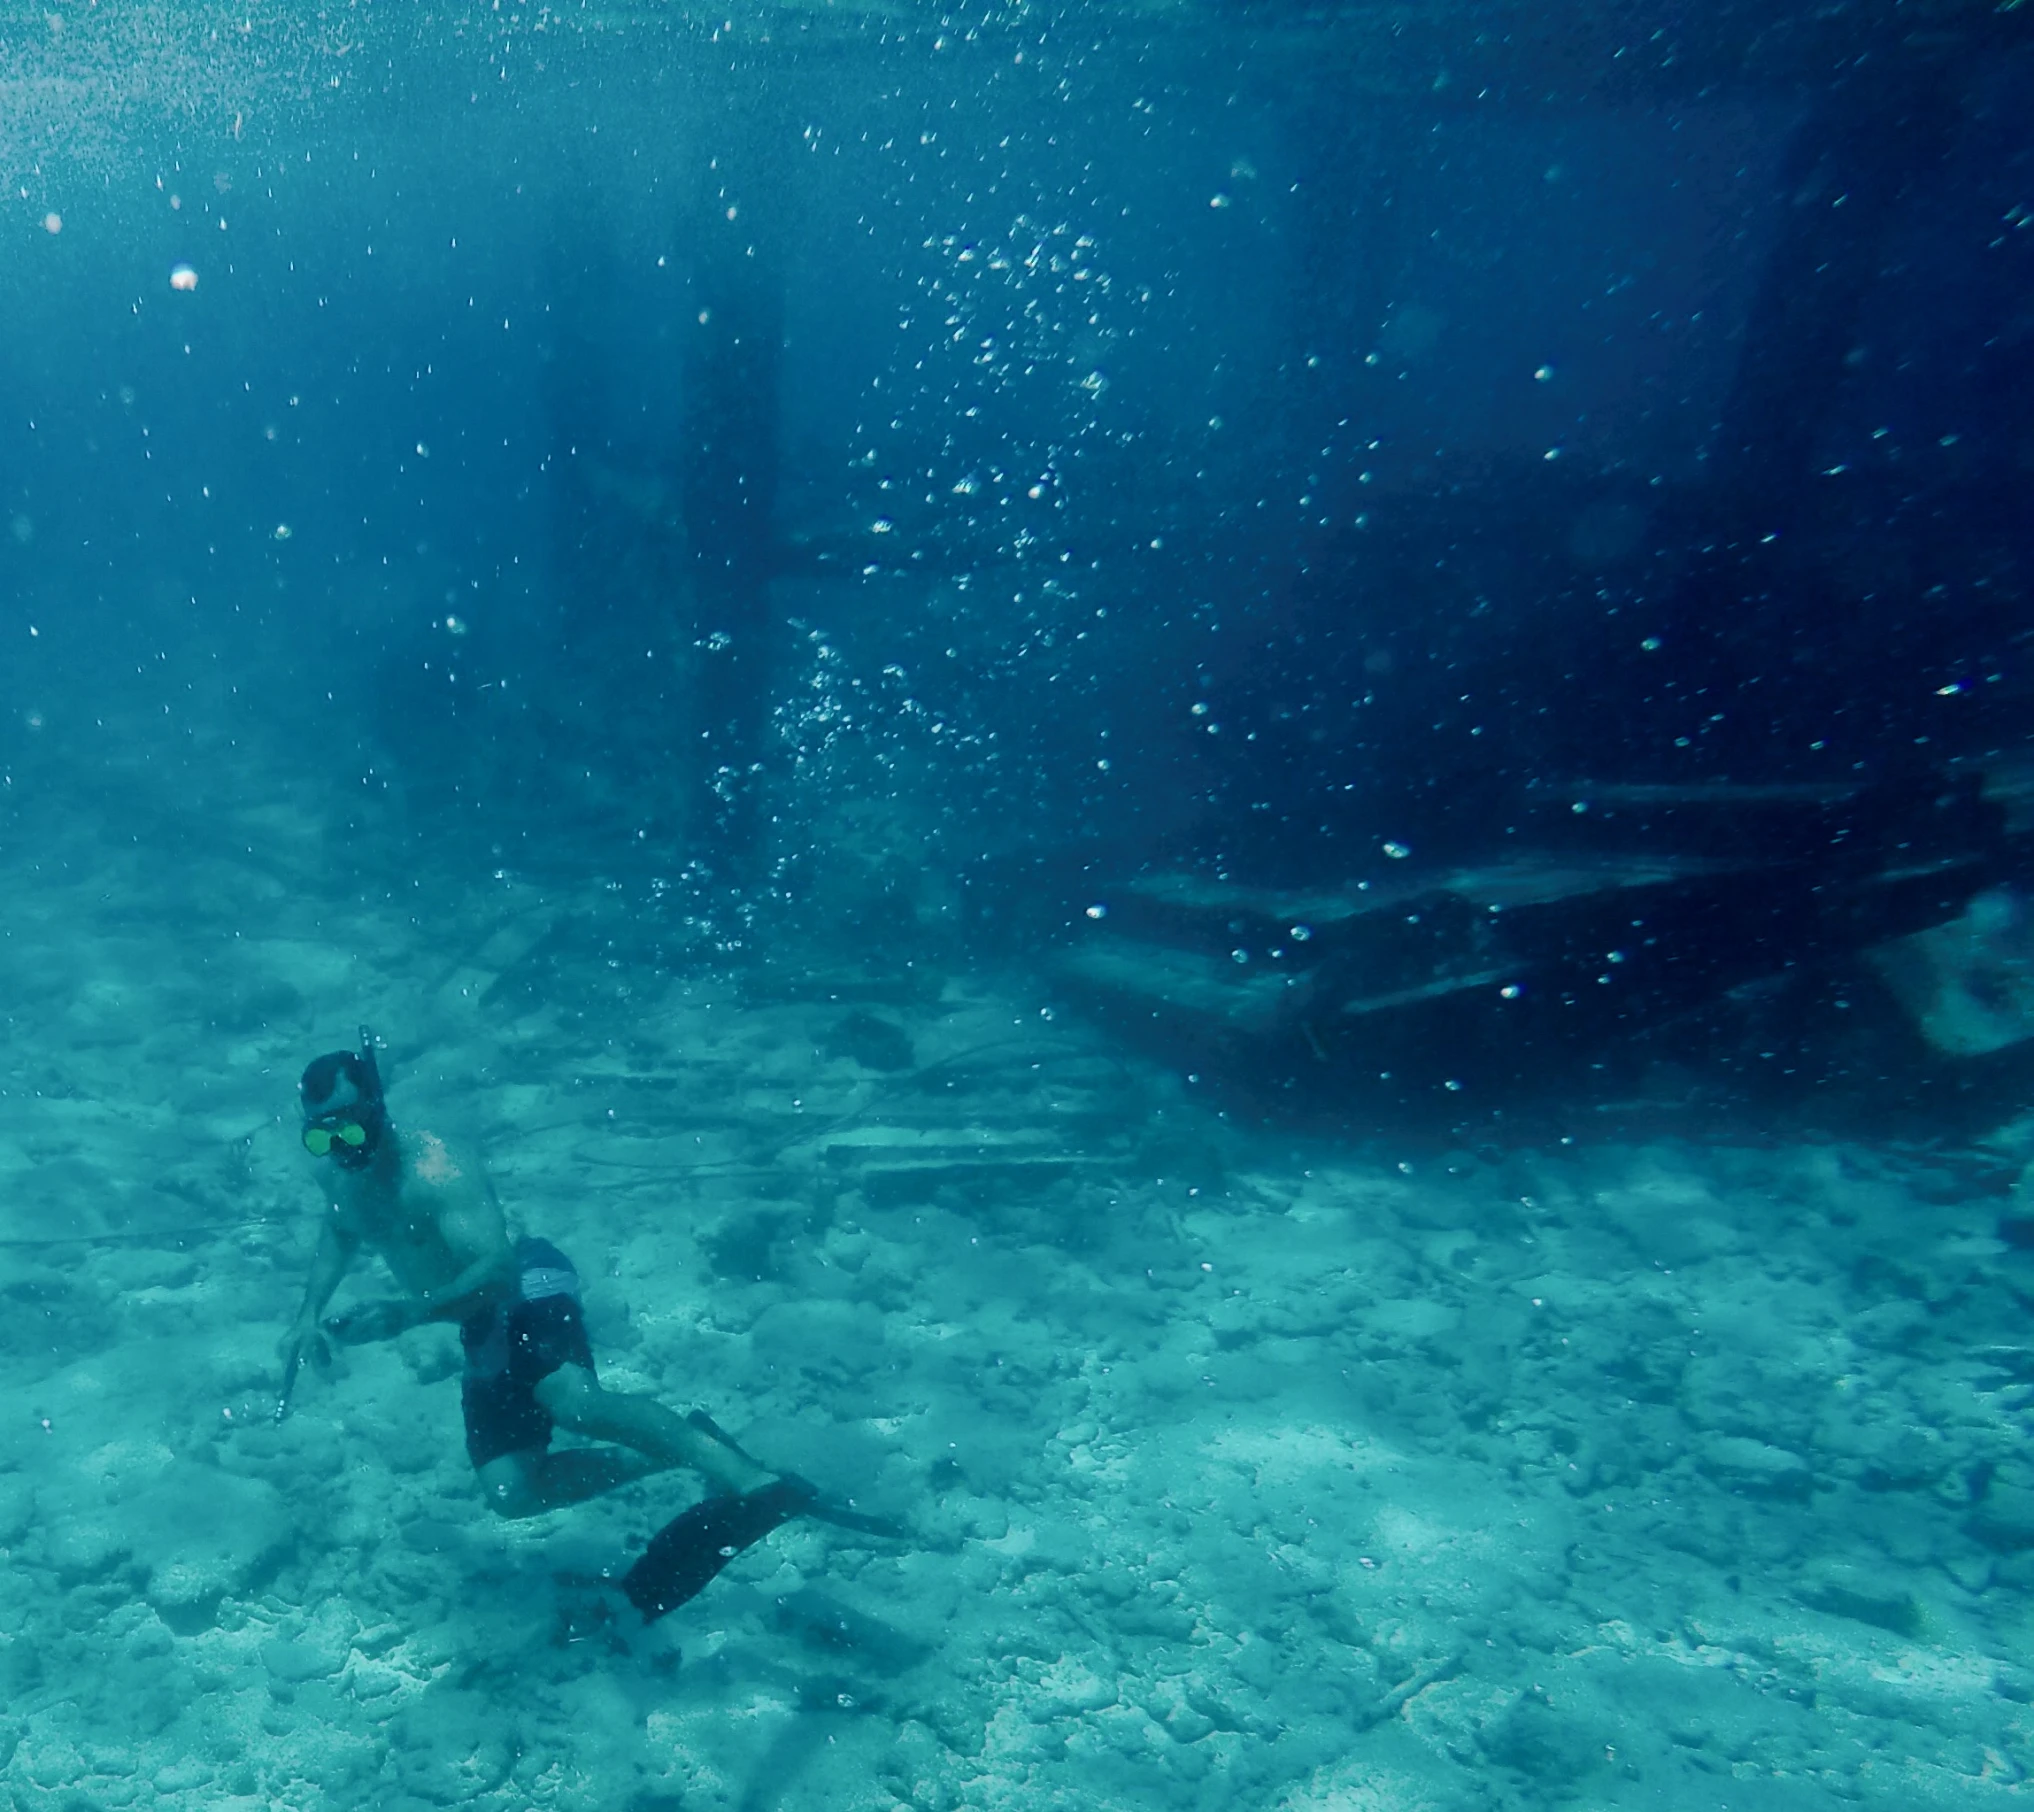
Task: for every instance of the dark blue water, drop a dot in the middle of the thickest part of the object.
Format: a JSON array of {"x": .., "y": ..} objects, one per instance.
[{"x": 1103, "y": 744}]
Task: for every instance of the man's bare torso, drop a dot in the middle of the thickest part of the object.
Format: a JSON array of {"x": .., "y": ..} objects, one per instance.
[{"x": 429, "y": 1213}]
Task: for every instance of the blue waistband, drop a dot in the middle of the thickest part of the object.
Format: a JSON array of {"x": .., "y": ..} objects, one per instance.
[{"x": 545, "y": 1271}]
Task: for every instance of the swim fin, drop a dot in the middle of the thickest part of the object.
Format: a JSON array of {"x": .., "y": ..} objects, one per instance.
[{"x": 694, "y": 1545}]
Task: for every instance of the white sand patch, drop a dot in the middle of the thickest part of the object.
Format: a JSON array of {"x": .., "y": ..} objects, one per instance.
[
  {"x": 1359, "y": 1787},
  {"x": 1284, "y": 1455}
]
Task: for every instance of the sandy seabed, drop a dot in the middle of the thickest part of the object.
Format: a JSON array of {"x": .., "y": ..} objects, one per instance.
[{"x": 1246, "y": 1472}]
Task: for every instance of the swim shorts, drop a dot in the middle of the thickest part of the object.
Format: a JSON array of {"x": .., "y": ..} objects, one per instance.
[{"x": 512, "y": 1346}]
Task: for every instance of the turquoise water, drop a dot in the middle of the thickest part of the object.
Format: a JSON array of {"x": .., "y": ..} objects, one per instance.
[{"x": 687, "y": 570}]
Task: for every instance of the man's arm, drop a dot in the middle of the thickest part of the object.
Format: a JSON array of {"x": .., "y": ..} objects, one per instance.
[
  {"x": 336, "y": 1247},
  {"x": 468, "y": 1291}
]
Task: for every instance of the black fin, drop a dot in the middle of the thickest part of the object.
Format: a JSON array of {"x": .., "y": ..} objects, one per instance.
[{"x": 693, "y": 1546}]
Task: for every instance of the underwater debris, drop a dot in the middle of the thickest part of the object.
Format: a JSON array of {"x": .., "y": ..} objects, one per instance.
[{"x": 875, "y": 1044}]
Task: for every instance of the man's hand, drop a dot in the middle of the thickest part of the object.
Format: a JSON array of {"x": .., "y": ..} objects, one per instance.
[
  {"x": 371, "y": 1321},
  {"x": 305, "y": 1340}
]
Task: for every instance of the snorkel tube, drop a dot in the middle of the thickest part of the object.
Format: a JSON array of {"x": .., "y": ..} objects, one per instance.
[{"x": 373, "y": 1105}]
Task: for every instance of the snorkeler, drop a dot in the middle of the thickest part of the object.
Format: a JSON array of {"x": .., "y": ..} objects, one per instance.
[{"x": 434, "y": 1220}]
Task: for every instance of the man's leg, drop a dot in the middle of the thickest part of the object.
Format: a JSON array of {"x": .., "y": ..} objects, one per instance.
[
  {"x": 654, "y": 1434},
  {"x": 528, "y": 1484}
]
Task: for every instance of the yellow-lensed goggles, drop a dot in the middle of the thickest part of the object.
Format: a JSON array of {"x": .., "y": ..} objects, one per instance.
[{"x": 321, "y": 1135}]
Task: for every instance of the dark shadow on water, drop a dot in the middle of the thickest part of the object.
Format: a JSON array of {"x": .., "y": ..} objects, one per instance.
[
  {"x": 1828, "y": 1061},
  {"x": 785, "y": 1760}
]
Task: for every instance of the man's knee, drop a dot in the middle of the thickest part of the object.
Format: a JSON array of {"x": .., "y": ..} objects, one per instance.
[
  {"x": 569, "y": 1395},
  {"x": 509, "y": 1489}
]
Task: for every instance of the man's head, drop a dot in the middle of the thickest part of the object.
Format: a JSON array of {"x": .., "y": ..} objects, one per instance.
[{"x": 344, "y": 1114}]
